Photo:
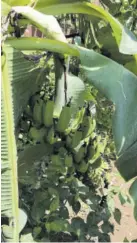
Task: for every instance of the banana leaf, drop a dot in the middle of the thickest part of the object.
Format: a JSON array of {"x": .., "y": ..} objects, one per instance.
[{"x": 9, "y": 185}]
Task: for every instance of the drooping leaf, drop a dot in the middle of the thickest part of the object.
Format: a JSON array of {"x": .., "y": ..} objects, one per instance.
[{"x": 34, "y": 43}]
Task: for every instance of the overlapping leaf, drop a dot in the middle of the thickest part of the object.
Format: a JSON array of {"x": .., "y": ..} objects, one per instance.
[{"x": 125, "y": 39}]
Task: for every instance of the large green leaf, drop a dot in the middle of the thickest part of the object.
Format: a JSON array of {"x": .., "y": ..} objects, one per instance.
[
  {"x": 5, "y": 8},
  {"x": 120, "y": 86},
  {"x": 16, "y": 2},
  {"x": 133, "y": 193},
  {"x": 127, "y": 162},
  {"x": 112, "y": 79},
  {"x": 9, "y": 184},
  {"x": 125, "y": 39}
]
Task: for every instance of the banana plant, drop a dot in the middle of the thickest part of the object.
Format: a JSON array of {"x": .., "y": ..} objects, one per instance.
[{"x": 120, "y": 88}]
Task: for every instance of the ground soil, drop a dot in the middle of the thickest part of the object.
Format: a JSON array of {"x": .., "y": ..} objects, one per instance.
[{"x": 128, "y": 225}]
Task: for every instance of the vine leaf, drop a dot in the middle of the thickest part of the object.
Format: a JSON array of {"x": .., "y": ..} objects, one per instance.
[
  {"x": 122, "y": 198},
  {"x": 54, "y": 204},
  {"x": 57, "y": 225},
  {"x": 117, "y": 215}
]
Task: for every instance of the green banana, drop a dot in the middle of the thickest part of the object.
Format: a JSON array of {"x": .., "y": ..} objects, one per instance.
[
  {"x": 80, "y": 154},
  {"x": 37, "y": 134},
  {"x": 37, "y": 111},
  {"x": 88, "y": 123},
  {"x": 28, "y": 111},
  {"x": 51, "y": 136},
  {"x": 88, "y": 127},
  {"x": 82, "y": 167},
  {"x": 47, "y": 113},
  {"x": 64, "y": 119},
  {"x": 90, "y": 152},
  {"x": 68, "y": 140},
  {"x": 68, "y": 160},
  {"x": 77, "y": 137}
]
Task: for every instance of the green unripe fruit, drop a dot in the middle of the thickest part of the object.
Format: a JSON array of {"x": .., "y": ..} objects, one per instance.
[
  {"x": 37, "y": 111},
  {"x": 37, "y": 134},
  {"x": 47, "y": 113}
]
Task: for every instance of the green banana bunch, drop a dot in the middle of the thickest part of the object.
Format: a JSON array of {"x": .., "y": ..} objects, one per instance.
[
  {"x": 51, "y": 136},
  {"x": 88, "y": 123},
  {"x": 80, "y": 154},
  {"x": 64, "y": 119},
  {"x": 68, "y": 160},
  {"x": 47, "y": 112},
  {"x": 37, "y": 111},
  {"x": 82, "y": 167},
  {"x": 36, "y": 134}
]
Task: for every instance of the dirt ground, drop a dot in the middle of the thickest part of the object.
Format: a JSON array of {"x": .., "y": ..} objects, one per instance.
[{"x": 128, "y": 226}]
